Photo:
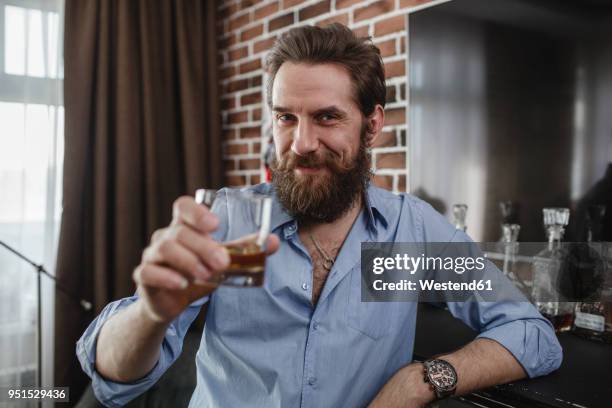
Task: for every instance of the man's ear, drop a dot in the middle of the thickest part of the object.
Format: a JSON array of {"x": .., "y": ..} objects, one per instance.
[{"x": 374, "y": 125}]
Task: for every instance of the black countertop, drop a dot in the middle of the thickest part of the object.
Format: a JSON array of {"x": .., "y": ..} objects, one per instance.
[{"x": 583, "y": 380}]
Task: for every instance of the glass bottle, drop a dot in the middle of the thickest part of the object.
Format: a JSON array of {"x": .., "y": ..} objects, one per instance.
[
  {"x": 519, "y": 272},
  {"x": 507, "y": 258},
  {"x": 548, "y": 267},
  {"x": 508, "y": 217},
  {"x": 459, "y": 216},
  {"x": 594, "y": 315},
  {"x": 508, "y": 245}
]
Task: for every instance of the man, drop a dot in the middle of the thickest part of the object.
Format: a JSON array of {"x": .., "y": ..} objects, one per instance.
[{"x": 306, "y": 339}]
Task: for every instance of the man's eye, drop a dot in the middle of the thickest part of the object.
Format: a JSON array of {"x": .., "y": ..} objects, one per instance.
[
  {"x": 326, "y": 118},
  {"x": 284, "y": 118}
]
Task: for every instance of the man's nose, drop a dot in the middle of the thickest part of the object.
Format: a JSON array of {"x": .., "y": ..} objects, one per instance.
[{"x": 305, "y": 139}]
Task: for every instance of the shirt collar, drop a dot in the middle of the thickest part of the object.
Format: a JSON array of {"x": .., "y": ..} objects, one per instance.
[
  {"x": 374, "y": 210},
  {"x": 375, "y": 207}
]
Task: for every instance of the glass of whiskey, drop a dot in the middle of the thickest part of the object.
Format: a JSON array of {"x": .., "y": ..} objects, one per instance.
[{"x": 248, "y": 230}]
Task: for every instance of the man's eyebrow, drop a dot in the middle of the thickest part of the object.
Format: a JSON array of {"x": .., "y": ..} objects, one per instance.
[
  {"x": 280, "y": 109},
  {"x": 330, "y": 110}
]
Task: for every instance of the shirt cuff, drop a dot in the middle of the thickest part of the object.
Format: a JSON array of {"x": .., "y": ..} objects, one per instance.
[{"x": 532, "y": 342}]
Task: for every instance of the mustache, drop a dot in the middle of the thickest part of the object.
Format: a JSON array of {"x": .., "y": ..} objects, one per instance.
[{"x": 290, "y": 161}]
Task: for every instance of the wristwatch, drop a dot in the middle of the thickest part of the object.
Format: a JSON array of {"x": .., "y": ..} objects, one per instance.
[{"x": 441, "y": 376}]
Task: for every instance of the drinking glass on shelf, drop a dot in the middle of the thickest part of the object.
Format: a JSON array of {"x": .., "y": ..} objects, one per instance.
[{"x": 245, "y": 241}]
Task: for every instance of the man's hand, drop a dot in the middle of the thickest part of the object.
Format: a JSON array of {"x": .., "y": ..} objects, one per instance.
[
  {"x": 406, "y": 389},
  {"x": 180, "y": 260}
]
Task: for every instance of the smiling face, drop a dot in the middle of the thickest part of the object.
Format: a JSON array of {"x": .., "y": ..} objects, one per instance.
[{"x": 321, "y": 140}]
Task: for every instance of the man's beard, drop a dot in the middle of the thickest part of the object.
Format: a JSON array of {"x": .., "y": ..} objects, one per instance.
[{"x": 313, "y": 198}]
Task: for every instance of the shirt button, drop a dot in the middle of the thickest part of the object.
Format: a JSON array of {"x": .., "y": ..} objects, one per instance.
[
  {"x": 291, "y": 228},
  {"x": 315, "y": 326},
  {"x": 312, "y": 381},
  {"x": 305, "y": 286}
]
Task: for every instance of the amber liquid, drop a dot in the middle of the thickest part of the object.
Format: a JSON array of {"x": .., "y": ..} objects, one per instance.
[
  {"x": 601, "y": 309},
  {"x": 561, "y": 322},
  {"x": 247, "y": 262}
]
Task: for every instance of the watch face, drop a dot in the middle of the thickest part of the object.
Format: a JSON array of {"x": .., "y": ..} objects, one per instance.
[{"x": 442, "y": 375}]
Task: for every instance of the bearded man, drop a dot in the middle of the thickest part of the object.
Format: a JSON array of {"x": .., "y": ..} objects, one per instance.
[{"x": 305, "y": 339}]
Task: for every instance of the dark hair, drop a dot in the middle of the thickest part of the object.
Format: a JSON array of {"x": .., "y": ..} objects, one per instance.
[{"x": 335, "y": 44}]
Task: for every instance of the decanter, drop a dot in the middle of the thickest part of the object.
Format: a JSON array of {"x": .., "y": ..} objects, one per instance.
[
  {"x": 549, "y": 265},
  {"x": 593, "y": 314},
  {"x": 459, "y": 216}
]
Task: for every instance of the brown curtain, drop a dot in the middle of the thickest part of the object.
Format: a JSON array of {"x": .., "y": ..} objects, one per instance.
[{"x": 141, "y": 128}]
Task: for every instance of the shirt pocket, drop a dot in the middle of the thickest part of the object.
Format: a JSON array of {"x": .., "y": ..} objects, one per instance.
[
  {"x": 245, "y": 312},
  {"x": 373, "y": 319},
  {"x": 225, "y": 314}
]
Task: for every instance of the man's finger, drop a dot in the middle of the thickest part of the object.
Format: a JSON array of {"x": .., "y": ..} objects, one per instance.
[
  {"x": 212, "y": 253},
  {"x": 174, "y": 255},
  {"x": 159, "y": 277},
  {"x": 186, "y": 211},
  {"x": 157, "y": 235}
]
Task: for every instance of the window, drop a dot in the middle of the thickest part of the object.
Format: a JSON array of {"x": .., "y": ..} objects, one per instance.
[{"x": 31, "y": 155}]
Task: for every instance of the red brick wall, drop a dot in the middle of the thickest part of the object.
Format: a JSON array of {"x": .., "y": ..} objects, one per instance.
[{"x": 248, "y": 28}]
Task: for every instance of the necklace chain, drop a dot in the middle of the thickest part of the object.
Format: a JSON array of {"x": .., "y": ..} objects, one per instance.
[{"x": 328, "y": 262}]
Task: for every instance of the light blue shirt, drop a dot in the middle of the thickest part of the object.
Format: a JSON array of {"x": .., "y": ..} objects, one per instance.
[{"x": 269, "y": 347}]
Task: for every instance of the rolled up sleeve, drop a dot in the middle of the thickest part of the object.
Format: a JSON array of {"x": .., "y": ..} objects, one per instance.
[
  {"x": 113, "y": 394},
  {"x": 512, "y": 321},
  {"x": 518, "y": 327}
]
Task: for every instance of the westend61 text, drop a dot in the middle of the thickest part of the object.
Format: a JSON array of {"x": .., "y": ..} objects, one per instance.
[{"x": 429, "y": 285}]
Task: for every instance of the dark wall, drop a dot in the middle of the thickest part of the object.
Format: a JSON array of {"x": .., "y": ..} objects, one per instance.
[
  {"x": 530, "y": 100},
  {"x": 508, "y": 102}
]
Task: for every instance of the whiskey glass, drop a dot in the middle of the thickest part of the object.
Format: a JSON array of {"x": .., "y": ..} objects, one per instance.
[{"x": 249, "y": 215}]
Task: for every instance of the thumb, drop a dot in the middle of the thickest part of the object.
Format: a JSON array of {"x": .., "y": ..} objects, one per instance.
[{"x": 272, "y": 244}]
